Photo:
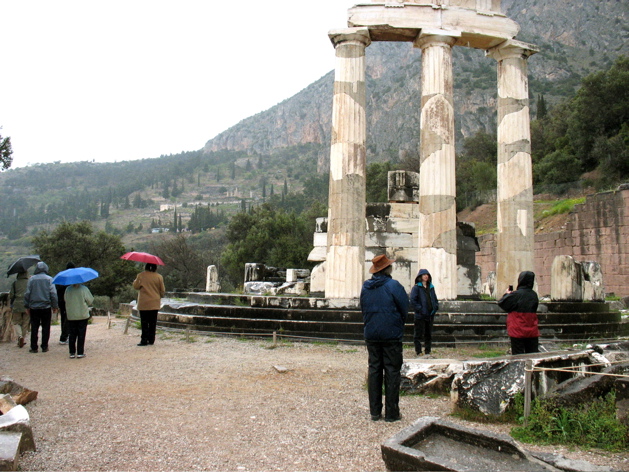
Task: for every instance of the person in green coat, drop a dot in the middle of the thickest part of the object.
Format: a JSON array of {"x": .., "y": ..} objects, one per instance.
[{"x": 78, "y": 299}]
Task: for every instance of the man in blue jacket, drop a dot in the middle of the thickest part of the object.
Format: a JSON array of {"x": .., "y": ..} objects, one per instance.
[
  {"x": 40, "y": 300},
  {"x": 384, "y": 304}
]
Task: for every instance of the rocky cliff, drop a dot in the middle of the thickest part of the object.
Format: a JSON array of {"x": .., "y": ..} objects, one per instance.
[{"x": 576, "y": 37}]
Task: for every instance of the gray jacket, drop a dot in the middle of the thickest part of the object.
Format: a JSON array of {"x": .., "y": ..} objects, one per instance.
[{"x": 40, "y": 291}]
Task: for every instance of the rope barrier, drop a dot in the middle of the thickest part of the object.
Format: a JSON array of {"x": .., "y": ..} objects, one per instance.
[{"x": 572, "y": 371}]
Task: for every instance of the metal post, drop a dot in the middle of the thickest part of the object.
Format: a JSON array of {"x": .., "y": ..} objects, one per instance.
[{"x": 528, "y": 378}]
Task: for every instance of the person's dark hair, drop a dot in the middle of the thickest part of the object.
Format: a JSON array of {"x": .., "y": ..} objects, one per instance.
[
  {"x": 151, "y": 267},
  {"x": 70, "y": 265}
]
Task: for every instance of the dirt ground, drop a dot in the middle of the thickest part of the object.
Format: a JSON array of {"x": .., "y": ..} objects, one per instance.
[{"x": 216, "y": 403}]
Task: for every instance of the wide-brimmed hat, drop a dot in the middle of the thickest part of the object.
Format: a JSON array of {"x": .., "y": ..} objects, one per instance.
[{"x": 380, "y": 262}]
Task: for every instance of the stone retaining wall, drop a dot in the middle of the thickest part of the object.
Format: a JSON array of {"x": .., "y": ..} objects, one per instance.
[{"x": 597, "y": 230}]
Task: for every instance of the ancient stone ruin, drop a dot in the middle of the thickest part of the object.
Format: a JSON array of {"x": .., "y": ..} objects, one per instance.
[
  {"x": 437, "y": 444},
  {"x": 435, "y": 28},
  {"x": 16, "y": 435},
  {"x": 393, "y": 229}
]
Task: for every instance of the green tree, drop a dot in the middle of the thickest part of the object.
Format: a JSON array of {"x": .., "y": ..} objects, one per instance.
[
  {"x": 542, "y": 110},
  {"x": 185, "y": 264},
  {"x": 600, "y": 108},
  {"x": 476, "y": 170},
  {"x": 6, "y": 152},
  {"x": 377, "y": 181},
  {"x": 559, "y": 167},
  {"x": 269, "y": 236},
  {"x": 79, "y": 243}
]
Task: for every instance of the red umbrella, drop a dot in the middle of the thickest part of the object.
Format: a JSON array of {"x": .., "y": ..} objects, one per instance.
[{"x": 142, "y": 257}]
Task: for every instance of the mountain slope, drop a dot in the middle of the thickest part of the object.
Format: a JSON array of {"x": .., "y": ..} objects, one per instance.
[{"x": 576, "y": 37}]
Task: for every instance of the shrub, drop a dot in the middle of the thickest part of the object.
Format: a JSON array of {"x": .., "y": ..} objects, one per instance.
[{"x": 592, "y": 425}]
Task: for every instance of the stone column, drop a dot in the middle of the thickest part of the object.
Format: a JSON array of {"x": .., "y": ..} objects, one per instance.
[
  {"x": 345, "y": 261},
  {"x": 437, "y": 183},
  {"x": 514, "y": 251}
]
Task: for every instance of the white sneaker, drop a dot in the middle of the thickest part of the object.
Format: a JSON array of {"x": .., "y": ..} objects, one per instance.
[
  {"x": 80, "y": 356},
  {"x": 72, "y": 356}
]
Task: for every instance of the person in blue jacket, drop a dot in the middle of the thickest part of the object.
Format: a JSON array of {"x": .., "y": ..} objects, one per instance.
[
  {"x": 384, "y": 305},
  {"x": 425, "y": 305}
]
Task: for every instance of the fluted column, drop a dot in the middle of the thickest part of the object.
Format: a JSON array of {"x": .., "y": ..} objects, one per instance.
[
  {"x": 345, "y": 261},
  {"x": 437, "y": 183},
  {"x": 515, "y": 245}
]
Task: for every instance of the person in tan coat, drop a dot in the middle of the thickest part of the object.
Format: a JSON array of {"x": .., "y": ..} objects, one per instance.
[{"x": 151, "y": 290}]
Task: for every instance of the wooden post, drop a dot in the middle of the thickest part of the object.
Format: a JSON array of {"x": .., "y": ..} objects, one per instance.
[
  {"x": 528, "y": 387},
  {"x": 187, "y": 335},
  {"x": 274, "y": 338},
  {"x": 108, "y": 320},
  {"x": 126, "y": 326}
]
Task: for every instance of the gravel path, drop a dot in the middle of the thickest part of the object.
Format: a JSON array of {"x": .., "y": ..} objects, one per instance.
[{"x": 213, "y": 404}]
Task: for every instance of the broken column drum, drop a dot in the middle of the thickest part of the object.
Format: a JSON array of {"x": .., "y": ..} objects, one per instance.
[{"x": 434, "y": 27}]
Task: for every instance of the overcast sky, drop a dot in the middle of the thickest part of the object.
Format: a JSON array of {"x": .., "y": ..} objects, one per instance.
[{"x": 131, "y": 79}]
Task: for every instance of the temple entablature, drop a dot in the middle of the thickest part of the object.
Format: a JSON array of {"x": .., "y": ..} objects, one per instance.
[{"x": 477, "y": 24}]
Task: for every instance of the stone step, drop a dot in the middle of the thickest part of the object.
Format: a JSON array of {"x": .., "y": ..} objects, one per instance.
[
  {"x": 324, "y": 315},
  {"x": 353, "y": 329}
]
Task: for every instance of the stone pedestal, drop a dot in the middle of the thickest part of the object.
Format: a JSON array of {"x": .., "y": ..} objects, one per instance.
[
  {"x": 514, "y": 252},
  {"x": 437, "y": 182},
  {"x": 346, "y": 219}
]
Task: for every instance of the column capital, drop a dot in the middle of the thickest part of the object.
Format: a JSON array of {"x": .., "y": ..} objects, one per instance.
[
  {"x": 436, "y": 37},
  {"x": 360, "y": 35},
  {"x": 512, "y": 49}
]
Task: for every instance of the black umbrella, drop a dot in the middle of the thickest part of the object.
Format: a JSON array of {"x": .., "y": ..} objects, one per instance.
[{"x": 22, "y": 264}]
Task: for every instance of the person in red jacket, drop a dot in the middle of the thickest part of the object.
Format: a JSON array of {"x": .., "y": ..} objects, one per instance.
[{"x": 521, "y": 306}]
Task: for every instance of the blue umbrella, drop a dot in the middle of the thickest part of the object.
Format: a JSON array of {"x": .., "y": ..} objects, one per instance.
[{"x": 78, "y": 275}]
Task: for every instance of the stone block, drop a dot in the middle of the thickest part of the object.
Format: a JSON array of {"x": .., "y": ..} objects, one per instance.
[
  {"x": 403, "y": 186},
  {"x": 17, "y": 421},
  {"x": 404, "y": 210},
  {"x": 490, "y": 385},
  {"x": 6, "y": 403},
  {"x": 317, "y": 278},
  {"x": 211, "y": 282},
  {"x": 403, "y": 225},
  {"x": 592, "y": 281},
  {"x": 429, "y": 376},
  {"x": 469, "y": 280},
  {"x": 254, "y": 272},
  {"x": 10, "y": 450},
  {"x": 320, "y": 240},
  {"x": 318, "y": 254},
  {"x": 321, "y": 225},
  {"x": 390, "y": 240},
  {"x": 566, "y": 280},
  {"x": 19, "y": 394}
]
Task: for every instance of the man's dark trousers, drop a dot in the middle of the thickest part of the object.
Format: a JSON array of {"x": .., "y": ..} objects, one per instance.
[
  {"x": 40, "y": 317},
  {"x": 385, "y": 362}
]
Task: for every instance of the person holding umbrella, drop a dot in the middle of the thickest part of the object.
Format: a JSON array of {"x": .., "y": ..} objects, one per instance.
[
  {"x": 19, "y": 318},
  {"x": 40, "y": 301},
  {"x": 150, "y": 286},
  {"x": 63, "y": 314},
  {"x": 78, "y": 298}
]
